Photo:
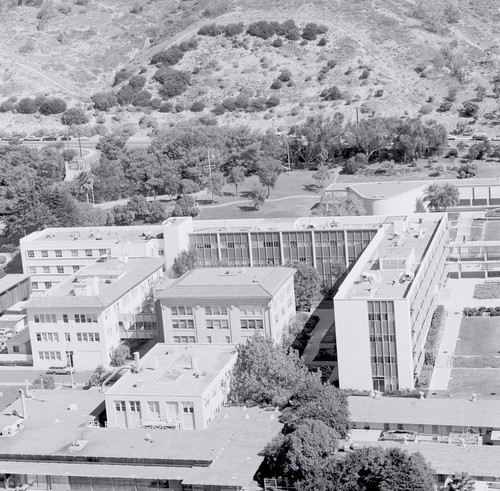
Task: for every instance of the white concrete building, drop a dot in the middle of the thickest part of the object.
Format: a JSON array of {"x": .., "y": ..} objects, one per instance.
[
  {"x": 51, "y": 255},
  {"x": 175, "y": 387},
  {"x": 226, "y": 305},
  {"x": 384, "y": 307},
  {"x": 79, "y": 321}
]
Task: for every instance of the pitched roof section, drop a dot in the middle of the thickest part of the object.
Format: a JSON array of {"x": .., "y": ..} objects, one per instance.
[{"x": 227, "y": 283}]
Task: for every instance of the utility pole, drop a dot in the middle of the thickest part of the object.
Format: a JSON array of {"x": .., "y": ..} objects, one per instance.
[
  {"x": 210, "y": 177},
  {"x": 79, "y": 143}
]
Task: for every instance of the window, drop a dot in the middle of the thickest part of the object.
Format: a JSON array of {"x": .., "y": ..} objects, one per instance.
[
  {"x": 251, "y": 310},
  {"x": 103, "y": 252},
  {"x": 187, "y": 407},
  {"x": 45, "y": 254},
  {"x": 47, "y": 337},
  {"x": 60, "y": 269},
  {"x": 88, "y": 252},
  {"x": 228, "y": 339},
  {"x": 49, "y": 355},
  {"x": 252, "y": 324},
  {"x": 183, "y": 324},
  {"x": 120, "y": 406},
  {"x": 67, "y": 336},
  {"x": 46, "y": 269},
  {"x": 181, "y": 310},
  {"x": 74, "y": 253},
  {"x": 15, "y": 349},
  {"x": 135, "y": 406},
  {"x": 400, "y": 426},
  {"x": 58, "y": 253},
  {"x": 217, "y": 324},
  {"x": 32, "y": 269},
  {"x": 161, "y": 252},
  {"x": 48, "y": 285},
  {"x": 209, "y": 339},
  {"x": 184, "y": 339},
  {"x": 30, "y": 253},
  {"x": 86, "y": 337},
  {"x": 216, "y": 310},
  {"x": 34, "y": 285},
  {"x": 65, "y": 318},
  {"x": 154, "y": 407},
  {"x": 76, "y": 268}
]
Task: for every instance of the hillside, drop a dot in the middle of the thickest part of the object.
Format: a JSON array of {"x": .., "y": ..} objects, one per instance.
[{"x": 387, "y": 57}]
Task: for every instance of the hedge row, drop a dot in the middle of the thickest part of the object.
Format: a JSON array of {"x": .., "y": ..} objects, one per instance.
[
  {"x": 480, "y": 311},
  {"x": 431, "y": 346}
]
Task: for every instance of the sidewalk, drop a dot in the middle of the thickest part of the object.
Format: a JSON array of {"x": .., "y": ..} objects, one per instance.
[{"x": 456, "y": 296}]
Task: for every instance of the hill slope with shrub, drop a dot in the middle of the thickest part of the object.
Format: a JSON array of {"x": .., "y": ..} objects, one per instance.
[{"x": 267, "y": 64}]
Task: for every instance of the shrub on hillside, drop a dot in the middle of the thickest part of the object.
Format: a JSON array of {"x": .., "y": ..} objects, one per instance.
[
  {"x": 197, "y": 107},
  {"x": 322, "y": 42},
  {"x": 272, "y": 101},
  {"x": 289, "y": 30},
  {"x": 27, "y": 106},
  {"x": 277, "y": 84},
  {"x": 311, "y": 31},
  {"x": 469, "y": 109},
  {"x": 229, "y": 104},
  {"x": 121, "y": 76},
  {"x": 189, "y": 45},
  {"x": 278, "y": 42},
  {"x": 285, "y": 75},
  {"x": 173, "y": 82},
  {"x": 444, "y": 107},
  {"x": 104, "y": 101},
  {"x": 74, "y": 115},
  {"x": 137, "y": 82},
  {"x": 125, "y": 95},
  {"x": 166, "y": 107},
  {"x": 231, "y": 30},
  {"x": 142, "y": 99},
  {"x": 6, "y": 106},
  {"x": 331, "y": 94},
  {"x": 169, "y": 57},
  {"x": 261, "y": 29},
  {"x": 219, "y": 110},
  {"x": 210, "y": 30},
  {"x": 53, "y": 105}
]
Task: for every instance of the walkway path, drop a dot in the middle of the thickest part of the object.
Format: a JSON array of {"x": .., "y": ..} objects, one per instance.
[{"x": 454, "y": 297}]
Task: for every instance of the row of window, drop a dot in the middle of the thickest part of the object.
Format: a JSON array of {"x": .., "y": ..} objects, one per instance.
[
  {"x": 47, "y": 337},
  {"x": 74, "y": 253},
  {"x": 218, "y": 324},
  {"x": 180, "y": 310},
  {"x": 49, "y": 355},
  {"x": 192, "y": 339},
  {"x": 153, "y": 407},
  {"x": 252, "y": 324},
  {"x": 49, "y": 270},
  {"x": 52, "y": 318},
  {"x": 53, "y": 337},
  {"x": 87, "y": 337},
  {"x": 35, "y": 285}
]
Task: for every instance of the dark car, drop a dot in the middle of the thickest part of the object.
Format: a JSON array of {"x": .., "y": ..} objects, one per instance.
[
  {"x": 65, "y": 138},
  {"x": 49, "y": 139}
]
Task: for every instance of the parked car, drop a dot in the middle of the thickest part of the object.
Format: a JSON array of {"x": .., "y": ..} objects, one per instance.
[
  {"x": 32, "y": 139},
  {"x": 49, "y": 139},
  {"x": 479, "y": 136},
  {"x": 84, "y": 138},
  {"x": 65, "y": 138},
  {"x": 60, "y": 370}
]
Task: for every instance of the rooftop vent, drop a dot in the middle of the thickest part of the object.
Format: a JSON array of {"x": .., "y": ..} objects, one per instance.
[{"x": 77, "y": 445}]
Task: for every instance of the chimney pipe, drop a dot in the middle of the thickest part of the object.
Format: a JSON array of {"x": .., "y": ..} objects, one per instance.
[
  {"x": 194, "y": 363},
  {"x": 156, "y": 363},
  {"x": 137, "y": 359},
  {"x": 27, "y": 386},
  {"x": 23, "y": 404}
]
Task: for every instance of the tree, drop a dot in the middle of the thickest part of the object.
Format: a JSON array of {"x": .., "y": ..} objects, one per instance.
[
  {"x": 157, "y": 212},
  {"x": 96, "y": 377},
  {"x": 299, "y": 454},
  {"x": 120, "y": 355},
  {"x": 461, "y": 481},
  {"x": 73, "y": 116},
  {"x": 44, "y": 381},
  {"x": 185, "y": 206},
  {"x": 321, "y": 175},
  {"x": 469, "y": 110},
  {"x": 258, "y": 195},
  {"x": 236, "y": 176},
  {"x": 441, "y": 196},
  {"x": 217, "y": 183},
  {"x": 269, "y": 173},
  {"x": 27, "y": 106},
  {"x": 339, "y": 205},
  {"x": 266, "y": 373},
  {"x": 307, "y": 284},
  {"x": 184, "y": 262},
  {"x": 104, "y": 101},
  {"x": 53, "y": 106}
]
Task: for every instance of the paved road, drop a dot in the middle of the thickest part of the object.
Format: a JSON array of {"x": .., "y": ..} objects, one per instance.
[{"x": 16, "y": 376}]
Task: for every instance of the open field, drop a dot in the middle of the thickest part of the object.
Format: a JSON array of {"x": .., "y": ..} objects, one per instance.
[
  {"x": 482, "y": 381},
  {"x": 492, "y": 230},
  {"x": 479, "y": 336}
]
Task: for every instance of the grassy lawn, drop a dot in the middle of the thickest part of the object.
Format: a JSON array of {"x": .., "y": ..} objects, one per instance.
[
  {"x": 492, "y": 230},
  {"x": 479, "y": 336},
  {"x": 487, "y": 291},
  {"x": 483, "y": 381}
]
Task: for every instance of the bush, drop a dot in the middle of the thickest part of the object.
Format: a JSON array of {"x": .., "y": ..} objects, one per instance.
[
  {"x": 364, "y": 74},
  {"x": 27, "y": 106},
  {"x": 210, "y": 30},
  {"x": 120, "y": 355},
  {"x": 322, "y": 42},
  {"x": 121, "y": 76},
  {"x": 155, "y": 103},
  {"x": 261, "y": 29},
  {"x": 169, "y": 57},
  {"x": 272, "y": 101},
  {"x": 104, "y": 101},
  {"x": 142, "y": 99},
  {"x": 231, "y": 30},
  {"x": 73, "y": 116},
  {"x": 166, "y": 107},
  {"x": 189, "y": 45},
  {"x": 331, "y": 94},
  {"x": 219, "y": 110},
  {"x": 278, "y": 42},
  {"x": 426, "y": 109},
  {"x": 6, "y": 106},
  {"x": 285, "y": 75},
  {"x": 179, "y": 108},
  {"x": 453, "y": 152},
  {"x": 277, "y": 84},
  {"x": 445, "y": 106},
  {"x": 197, "y": 107},
  {"x": 469, "y": 109},
  {"x": 174, "y": 82},
  {"x": 229, "y": 104},
  {"x": 137, "y": 82},
  {"x": 53, "y": 106},
  {"x": 425, "y": 375},
  {"x": 467, "y": 170},
  {"x": 47, "y": 381},
  {"x": 125, "y": 95},
  {"x": 310, "y": 31}
]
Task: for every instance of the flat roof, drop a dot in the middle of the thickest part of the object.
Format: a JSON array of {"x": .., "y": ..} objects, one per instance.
[
  {"x": 475, "y": 460},
  {"x": 11, "y": 280},
  {"x": 387, "y": 189},
  {"x": 430, "y": 411},
  {"x": 228, "y": 452},
  {"x": 174, "y": 375},
  {"x": 113, "y": 277},
  {"x": 226, "y": 283},
  {"x": 410, "y": 245},
  {"x": 124, "y": 235}
]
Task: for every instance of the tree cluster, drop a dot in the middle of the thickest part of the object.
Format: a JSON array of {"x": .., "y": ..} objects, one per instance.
[
  {"x": 441, "y": 196},
  {"x": 44, "y": 105}
]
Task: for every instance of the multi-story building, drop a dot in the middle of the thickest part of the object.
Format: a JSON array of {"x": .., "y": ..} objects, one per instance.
[
  {"x": 176, "y": 387},
  {"x": 51, "y": 255},
  {"x": 384, "y": 307},
  {"x": 223, "y": 305},
  {"x": 13, "y": 289},
  {"x": 79, "y": 321}
]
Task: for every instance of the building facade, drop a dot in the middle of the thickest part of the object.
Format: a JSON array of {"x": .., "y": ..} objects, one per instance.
[
  {"x": 80, "y": 321},
  {"x": 222, "y": 305},
  {"x": 13, "y": 288},
  {"x": 172, "y": 387},
  {"x": 384, "y": 307}
]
